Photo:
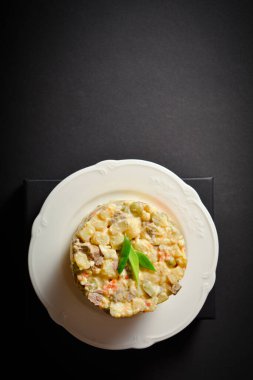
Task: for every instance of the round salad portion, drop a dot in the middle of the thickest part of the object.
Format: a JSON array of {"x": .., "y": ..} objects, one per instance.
[{"x": 127, "y": 257}]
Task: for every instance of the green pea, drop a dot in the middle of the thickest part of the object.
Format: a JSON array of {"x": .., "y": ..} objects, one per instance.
[{"x": 136, "y": 208}]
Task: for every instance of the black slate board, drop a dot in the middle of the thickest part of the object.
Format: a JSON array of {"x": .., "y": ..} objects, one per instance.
[{"x": 36, "y": 192}]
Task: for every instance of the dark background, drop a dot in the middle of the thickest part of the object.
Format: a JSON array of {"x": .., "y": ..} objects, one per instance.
[{"x": 166, "y": 81}]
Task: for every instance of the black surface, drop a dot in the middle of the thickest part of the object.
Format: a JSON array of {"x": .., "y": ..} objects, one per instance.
[
  {"x": 167, "y": 81},
  {"x": 36, "y": 192}
]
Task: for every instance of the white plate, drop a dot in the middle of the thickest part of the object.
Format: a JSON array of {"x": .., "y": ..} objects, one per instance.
[{"x": 60, "y": 215}]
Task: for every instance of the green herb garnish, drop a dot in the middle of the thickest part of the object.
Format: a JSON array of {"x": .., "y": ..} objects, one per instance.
[
  {"x": 135, "y": 258},
  {"x": 124, "y": 254},
  {"x": 144, "y": 261},
  {"x": 134, "y": 262}
]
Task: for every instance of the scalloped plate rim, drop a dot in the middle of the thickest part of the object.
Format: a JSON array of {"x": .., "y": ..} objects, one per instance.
[{"x": 115, "y": 163}]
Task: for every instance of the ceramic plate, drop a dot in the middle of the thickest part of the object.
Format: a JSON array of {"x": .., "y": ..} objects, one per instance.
[{"x": 77, "y": 196}]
